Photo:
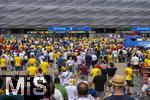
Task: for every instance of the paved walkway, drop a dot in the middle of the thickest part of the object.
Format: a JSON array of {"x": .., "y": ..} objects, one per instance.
[{"x": 138, "y": 81}]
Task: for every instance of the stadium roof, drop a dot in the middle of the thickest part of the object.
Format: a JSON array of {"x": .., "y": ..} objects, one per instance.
[{"x": 97, "y": 13}]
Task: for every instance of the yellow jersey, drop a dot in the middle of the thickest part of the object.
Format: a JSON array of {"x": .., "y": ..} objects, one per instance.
[
  {"x": 32, "y": 71},
  {"x": 55, "y": 56},
  {"x": 32, "y": 61},
  {"x": 110, "y": 57},
  {"x": 17, "y": 61},
  {"x": 44, "y": 66},
  {"x": 40, "y": 46},
  {"x": 75, "y": 53},
  {"x": 58, "y": 53},
  {"x": 3, "y": 62},
  {"x": 147, "y": 62},
  {"x": 128, "y": 73},
  {"x": 48, "y": 48},
  {"x": 94, "y": 72},
  {"x": 148, "y": 53}
]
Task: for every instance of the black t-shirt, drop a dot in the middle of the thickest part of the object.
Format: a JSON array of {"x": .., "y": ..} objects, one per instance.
[
  {"x": 122, "y": 97},
  {"x": 99, "y": 82},
  {"x": 104, "y": 73},
  {"x": 111, "y": 71}
]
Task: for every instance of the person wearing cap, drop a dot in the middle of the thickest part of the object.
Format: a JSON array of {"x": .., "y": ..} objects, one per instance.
[
  {"x": 71, "y": 90},
  {"x": 118, "y": 84}
]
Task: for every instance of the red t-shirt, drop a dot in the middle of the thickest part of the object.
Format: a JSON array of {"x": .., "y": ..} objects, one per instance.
[{"x": 99, "y": 67}]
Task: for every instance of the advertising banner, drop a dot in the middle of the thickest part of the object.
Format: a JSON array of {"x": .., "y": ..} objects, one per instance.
[
  {"x": 69, "y": 28},
  {"x": 140, "y": 29}
]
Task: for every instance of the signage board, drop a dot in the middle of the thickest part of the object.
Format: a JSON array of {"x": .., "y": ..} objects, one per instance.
[
  {"x": 140, "y": 29},
  {"x": 56, "y": 28},
  {"x": 68, "y": 28}
]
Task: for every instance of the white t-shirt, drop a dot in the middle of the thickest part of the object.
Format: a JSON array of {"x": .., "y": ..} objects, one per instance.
[
  {"x": 139, "y": 53},
  {"x": 41, "y": 58},
  {"x": 65, "y": 55},
  {"x": 119, "y": 50},
  {"x": 15, "y": 54},
  {"x": 124, "y": 52},
  {"x": 43, "y": 50},
  {"x": 7, "y": 57},
  {"x": 21, "y": 55},
  {"x": 75, "y": 64},
  {"x": 70, "y": 63},
  {"x": 58, "y": 95},
  {"x": 135, "y": 60},
  {"x": 115, "y": 53},
  {"x": 25, "y": 57},
  {"x": 83, "y": 54},
  {"x": 32, "y": 53},
  {"x": 45, "y": 53},
  {"x": 72, "y": 92},
  {"x": 145, "y": 86},
  {"x": 71, "y": 45},
  {"x": 94, "y": 57},
  {"x": 66, "y": 76},
  {"x": 51, "y": 55},
  {"x": 83, "y": 98},
  {"x": 79, "y": 59}
]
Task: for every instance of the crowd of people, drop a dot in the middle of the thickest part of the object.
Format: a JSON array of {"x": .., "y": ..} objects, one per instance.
[{"x": 81, "y": 68}]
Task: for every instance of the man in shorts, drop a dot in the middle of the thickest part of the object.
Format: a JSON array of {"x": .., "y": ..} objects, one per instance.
[
  {"x": 3, "y": 64},
  {"x": 129, "y": 77}
]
